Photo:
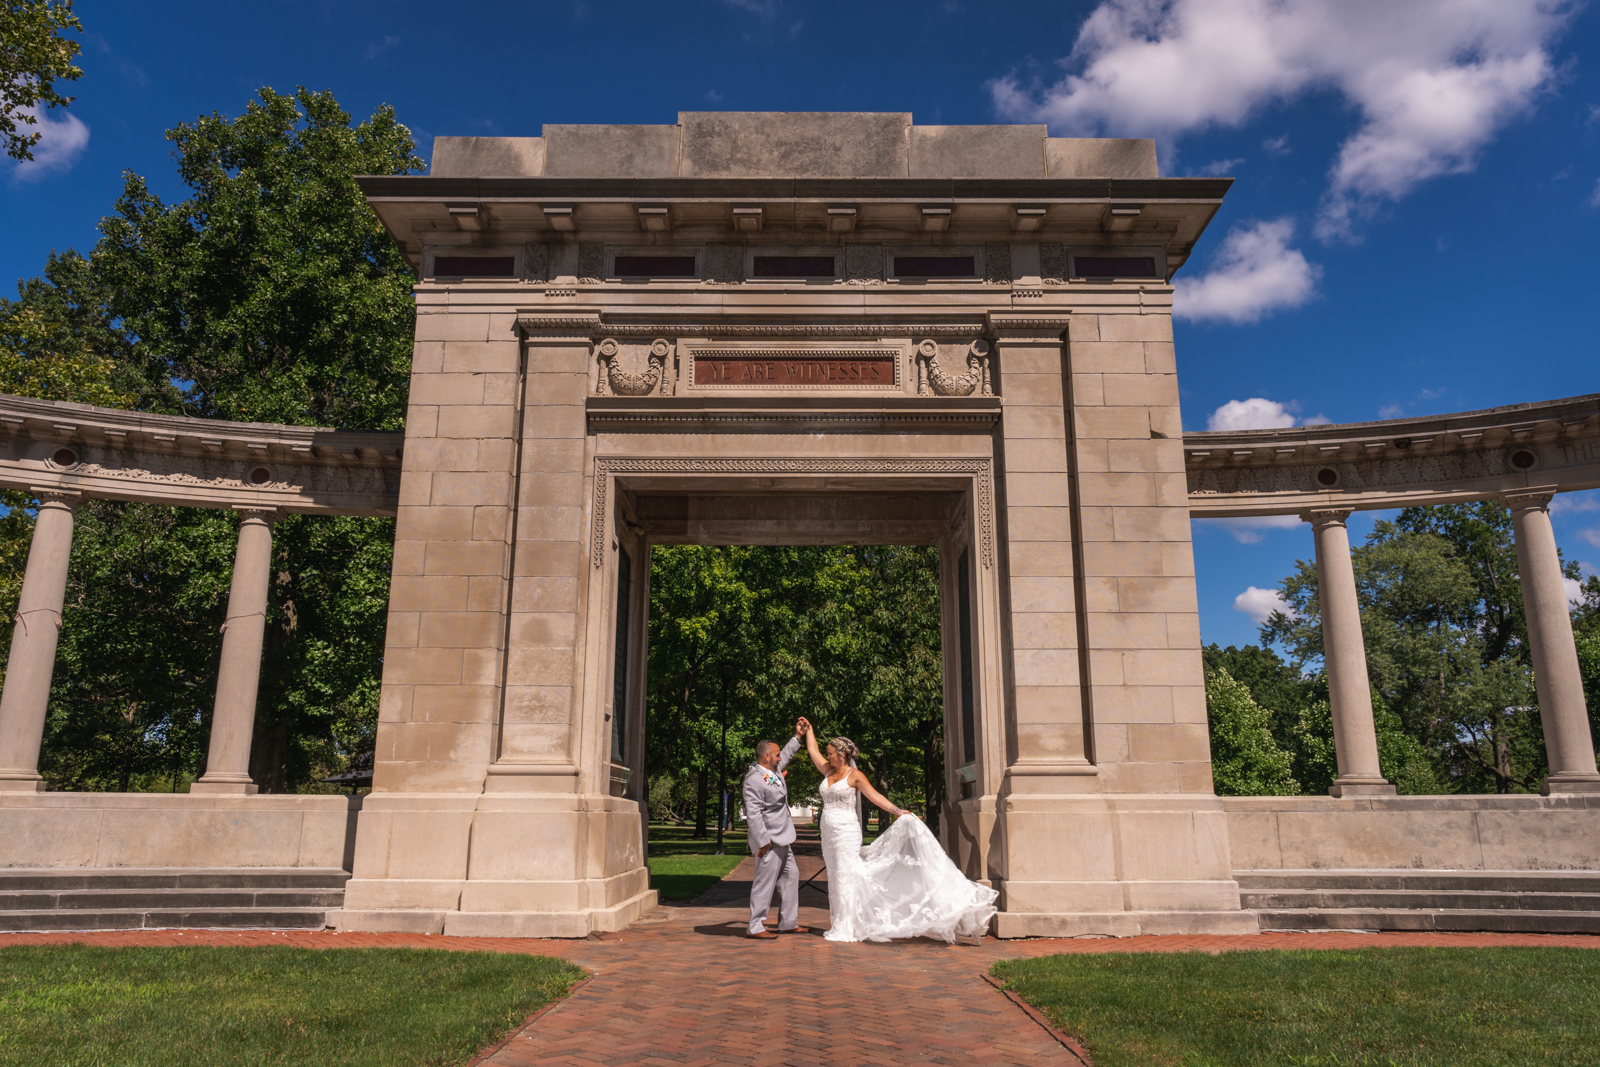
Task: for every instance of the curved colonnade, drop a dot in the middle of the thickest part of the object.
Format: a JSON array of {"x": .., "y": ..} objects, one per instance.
[{"x": 1521, "y": 455}]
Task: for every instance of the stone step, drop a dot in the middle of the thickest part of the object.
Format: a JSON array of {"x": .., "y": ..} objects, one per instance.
[
  {"x": 30, "y": 878},
  {"x": 168, "y": 899},
  {"x": 1423, "y": 880},
  {"x": 1391, "y": 899},
  {"x": 157, "y": 897},
  {"x": 165, "y": 918},
  {"x": 1458, "y": 920}
]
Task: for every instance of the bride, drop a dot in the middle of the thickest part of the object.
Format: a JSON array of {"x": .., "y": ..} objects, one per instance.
[{"x": 901, "y": 885}]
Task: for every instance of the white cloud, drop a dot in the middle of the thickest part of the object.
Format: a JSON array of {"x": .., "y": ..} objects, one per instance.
[
  {"x": 1594, "y": 198},
  {"x": 1429, "y": 81},
  {"x": 1249, "y": 531},
  {"x": 1591, "y": 535},
  {"x": 1254, "y": 272},
  {"x": 1257, "y": 413},
  {"x": 1277, "y": 146},
  {"x": 1574, "y": 590},
  {"x": 61, "y": 142},
  {"x": 1392, "y": 411},
  {"x": 379, "y": 47},
  {"x": 1567, "y": 503},
  {"x": 1220, "y": 166},
  {"x": 1259, "y": 604}
]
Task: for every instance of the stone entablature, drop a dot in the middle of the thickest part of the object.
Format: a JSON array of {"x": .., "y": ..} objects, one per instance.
[
  {"x": 721, "y": 188},
  {"x": 84, "y": 451},
  {"x": 1552, "y": 445}
]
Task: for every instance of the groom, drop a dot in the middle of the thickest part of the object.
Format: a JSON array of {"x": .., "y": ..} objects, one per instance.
[{"x": 766, "y": 811}]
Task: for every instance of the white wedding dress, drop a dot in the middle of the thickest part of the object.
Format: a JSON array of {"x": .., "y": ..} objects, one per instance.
[{"x": 901, "y": 885}]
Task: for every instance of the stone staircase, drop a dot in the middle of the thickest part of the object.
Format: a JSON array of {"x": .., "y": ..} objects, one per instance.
[
  {"x": 166, "y": 897},
  {"x": 1549, "y": 902}
]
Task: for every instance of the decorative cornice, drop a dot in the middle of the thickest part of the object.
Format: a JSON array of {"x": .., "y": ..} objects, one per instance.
[
  {"x": 1004, "y": 322},
  {"x": 981, "y": 470},
  {"x": 537, "y": 322}
]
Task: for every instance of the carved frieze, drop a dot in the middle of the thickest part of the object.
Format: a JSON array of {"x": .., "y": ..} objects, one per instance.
[
  {"x": 1053, "y": 264},
  {"x": 591, "y": 263},
  {"x": 536, "y": 262},
  {"x": 997, "y": 264},
  {"x": 863, "y": 264}
]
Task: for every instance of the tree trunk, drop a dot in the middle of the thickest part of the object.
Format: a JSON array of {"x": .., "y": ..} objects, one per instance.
[
  {"x": 703, "y": 786},
  {"x": 127, "y": 747}
]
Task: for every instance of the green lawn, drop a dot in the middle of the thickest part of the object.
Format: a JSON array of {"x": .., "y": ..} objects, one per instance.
[
  {"x": 683, "y": 866},
  {"x": 1449, "y": 1007},
  {"x": 81, "y": 1006}
]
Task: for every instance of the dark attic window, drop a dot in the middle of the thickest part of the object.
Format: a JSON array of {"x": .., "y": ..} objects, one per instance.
[
  {"x": 935, "y": 267},
  {"x": 1114, "y": 267},
  {"x": 794, "y": 267},
  {"x": 474, "y": 266},
  {"x": 654, "y": 267}
]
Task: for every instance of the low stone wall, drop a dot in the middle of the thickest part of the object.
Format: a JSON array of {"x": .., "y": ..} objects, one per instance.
[
  {"x": 105, "y": 830},
  {"x": 1453, "y": 833}
]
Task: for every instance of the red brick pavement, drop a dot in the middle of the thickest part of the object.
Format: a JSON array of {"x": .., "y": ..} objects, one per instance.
[{"x": 684, "y": 987}]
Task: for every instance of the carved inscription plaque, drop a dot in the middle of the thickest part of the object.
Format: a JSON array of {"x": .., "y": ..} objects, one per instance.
[{"x": 813, "y": 370}]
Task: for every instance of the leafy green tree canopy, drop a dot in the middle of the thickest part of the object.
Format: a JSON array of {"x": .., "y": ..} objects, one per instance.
[
  {"x": 33, "y": 57},
  {"x": 272, "y": 294}
]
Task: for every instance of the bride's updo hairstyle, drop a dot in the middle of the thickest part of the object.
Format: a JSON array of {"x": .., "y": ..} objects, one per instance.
[{"x": 846, "y": 748}]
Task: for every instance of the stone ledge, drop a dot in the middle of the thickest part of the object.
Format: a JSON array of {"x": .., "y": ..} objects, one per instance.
[{"x": 1124, "y": 923}]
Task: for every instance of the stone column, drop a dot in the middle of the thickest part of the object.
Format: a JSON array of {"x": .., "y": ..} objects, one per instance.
[
  {"x": 233, "y": 717},
  {"x": 1355, "y": 738},
  {"x": 1567, "y": 740},
  {"x": 33, "y": 644}
]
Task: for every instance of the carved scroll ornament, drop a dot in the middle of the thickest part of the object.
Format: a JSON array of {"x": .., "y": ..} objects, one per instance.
[
  {"x": 931, "y": 377},
  {"x": 613, "y": 379}
]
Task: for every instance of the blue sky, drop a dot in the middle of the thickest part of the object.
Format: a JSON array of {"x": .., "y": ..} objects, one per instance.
[{"x": 1411, "y": 231}]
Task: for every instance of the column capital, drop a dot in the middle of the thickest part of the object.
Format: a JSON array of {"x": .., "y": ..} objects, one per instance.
[
  {"x": 1522, "y": 499},
  {"x": 1326, "y": 516},
  {"x": 48, "y": 494},
  {"x": 267, "y": 515}
]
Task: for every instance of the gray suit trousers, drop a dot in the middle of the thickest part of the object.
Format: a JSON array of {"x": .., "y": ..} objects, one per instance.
[{"x": 776, "y": 870}]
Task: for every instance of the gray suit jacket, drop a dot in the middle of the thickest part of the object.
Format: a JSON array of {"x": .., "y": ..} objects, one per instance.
[{"x": 766, "y": 806}]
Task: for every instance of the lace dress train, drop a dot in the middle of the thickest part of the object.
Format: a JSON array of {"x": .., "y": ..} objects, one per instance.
[{"x": 901, "y": 885}]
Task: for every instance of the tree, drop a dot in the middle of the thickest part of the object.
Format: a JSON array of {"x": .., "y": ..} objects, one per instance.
[
  {"x": 1245, "y": 759},
  {"x": 33, "y": 57},
  {"x": 271, "y": 294},
  {"x": 848, "y": 637}
]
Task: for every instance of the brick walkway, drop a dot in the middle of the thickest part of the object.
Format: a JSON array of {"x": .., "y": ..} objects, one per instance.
[{"x": 683, "y": 987}]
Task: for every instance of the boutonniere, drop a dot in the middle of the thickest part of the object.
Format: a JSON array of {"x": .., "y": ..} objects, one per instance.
[{"x": 772, "y": 779}]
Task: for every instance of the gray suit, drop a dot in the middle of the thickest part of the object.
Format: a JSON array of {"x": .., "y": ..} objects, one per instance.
[{"x": 766, "y": 811}]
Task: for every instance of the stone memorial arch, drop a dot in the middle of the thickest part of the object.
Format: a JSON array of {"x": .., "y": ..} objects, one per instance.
[
  {"x": 811, "y": 329},
  {"x": 800, "y": 328}
]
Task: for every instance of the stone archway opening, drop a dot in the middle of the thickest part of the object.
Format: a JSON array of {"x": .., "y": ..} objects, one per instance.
[{"x": 928, "y": 510}]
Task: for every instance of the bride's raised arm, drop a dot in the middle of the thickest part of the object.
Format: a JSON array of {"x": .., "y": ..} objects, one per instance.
[
  {"x": 811, "y": 748},
  {"x": 883, "y": 802}
]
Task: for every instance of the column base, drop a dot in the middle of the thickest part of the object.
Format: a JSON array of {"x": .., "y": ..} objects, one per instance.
[
  {"x": 1362, "y": 787},
  {"x": 1571, "y": 783},
  {"x": 237, "y": 788},
  {"x": 22, "y": 785}
]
